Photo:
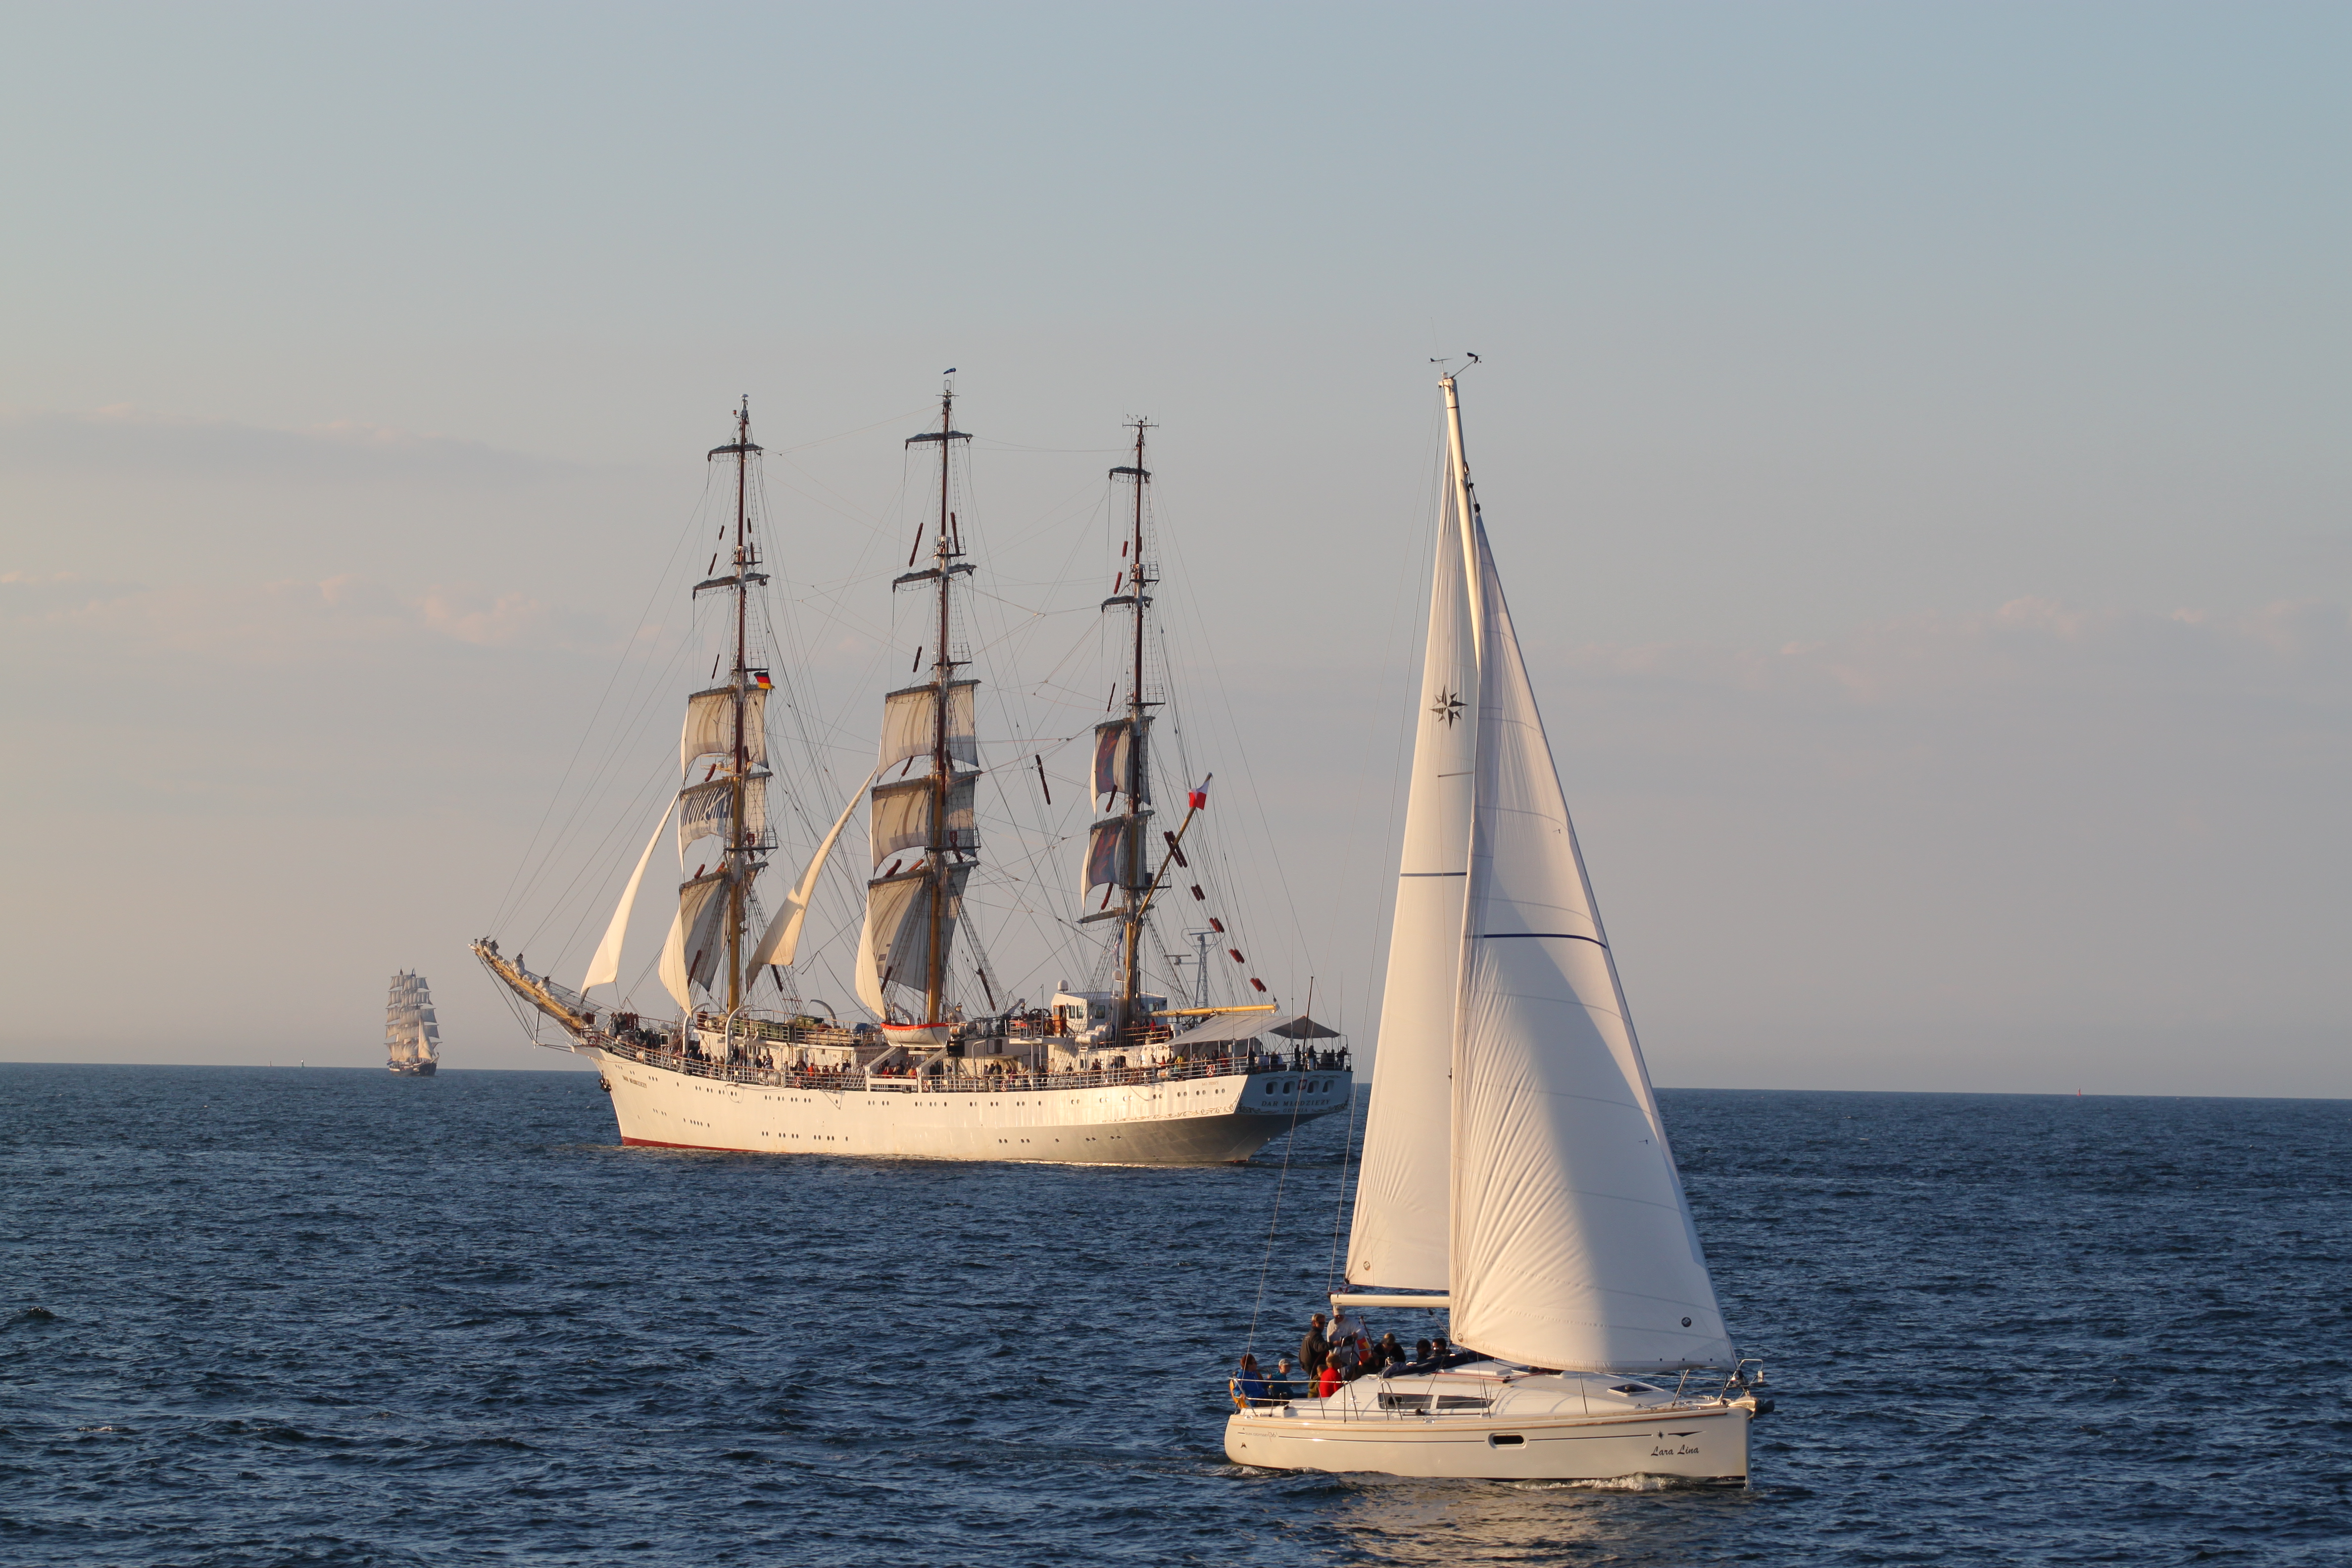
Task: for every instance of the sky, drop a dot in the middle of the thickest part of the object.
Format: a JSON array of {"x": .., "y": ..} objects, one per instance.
[{"x": 1912, "y": 436}]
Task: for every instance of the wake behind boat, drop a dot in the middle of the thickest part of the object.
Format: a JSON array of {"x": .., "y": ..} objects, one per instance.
[
  {"x": 1516, "y": 1172},
  {"x": 1109, "y": 1073}
]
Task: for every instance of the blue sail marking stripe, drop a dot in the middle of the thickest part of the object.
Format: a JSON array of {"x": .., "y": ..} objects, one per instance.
[{"x": 1563, "y": 935}]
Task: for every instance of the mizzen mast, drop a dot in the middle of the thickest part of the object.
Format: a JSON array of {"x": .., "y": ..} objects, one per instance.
[{"x": 1137, "y": 781}]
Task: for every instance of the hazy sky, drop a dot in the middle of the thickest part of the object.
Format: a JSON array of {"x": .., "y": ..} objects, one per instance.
[{"x": 1914, "y": 436}]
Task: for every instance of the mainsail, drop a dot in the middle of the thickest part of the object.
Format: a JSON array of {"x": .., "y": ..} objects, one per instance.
[
  {"x": 1399, "y": 1236},
  {"x": 1568, "y": 1242}
]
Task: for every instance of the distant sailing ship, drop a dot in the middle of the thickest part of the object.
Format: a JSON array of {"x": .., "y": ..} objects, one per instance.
[
  {"x": 1515, "y": 1172},
  {"x": 412, "y": 1037},
  {"x": 1112, "y": 1075}
]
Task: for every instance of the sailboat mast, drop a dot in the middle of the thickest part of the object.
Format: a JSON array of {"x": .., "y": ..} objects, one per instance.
[
  {"x": 942, "y": 672},
  {"x": 737, "y": 844},
  {"x": 1131, "y": 945},
  {"x": 1463, "y": 505}
]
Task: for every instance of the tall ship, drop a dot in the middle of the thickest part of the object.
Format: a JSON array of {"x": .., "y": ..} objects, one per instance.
[
  {"x": 412, "y": 1036},
  {"x": 946, "y": 1066}
]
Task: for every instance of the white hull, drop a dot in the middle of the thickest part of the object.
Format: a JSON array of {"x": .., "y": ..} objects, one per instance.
[
  {"x": 1708, "y": 1447},
  {"x": 1557, "y": 1434},
  {"x": 1168, "y": 1120}
]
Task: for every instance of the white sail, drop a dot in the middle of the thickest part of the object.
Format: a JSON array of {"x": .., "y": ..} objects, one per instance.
[
  {"x": 781, "y": 940},
  {"x": 1115, "y": 769},
  {"x": 605, "y": 966},
  {"x": 707, "y": 811},
  {"x": 691, "y": 956},
  {"x": 1572, "y": 1243},
  {"x": 1397, "y": 1238},
  {"x": 897, "y": 947},
  {"x": 1109, "y": 846},
  {"x": 906, "y": 723},
  {"x": 711, "y": 727},
  {"x": 902, "y": 817}
]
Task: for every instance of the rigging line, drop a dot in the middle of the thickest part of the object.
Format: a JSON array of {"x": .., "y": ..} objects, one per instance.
[
  {"x": 844, "y": 435},
  {"x": 1403, "y": 678},
  {"x": 623, "y": 739},
  {"x": 619, "y": 665},
  {"x": 1339, "y": 1209},
  {"x": 1289, "y": 1141}
]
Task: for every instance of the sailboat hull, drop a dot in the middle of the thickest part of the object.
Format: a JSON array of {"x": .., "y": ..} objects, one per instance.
[
  {"x": 1166, "y": 1118},
  {"x": 1704, "y": 1444},
  {"x": 414, "y": 1070}
]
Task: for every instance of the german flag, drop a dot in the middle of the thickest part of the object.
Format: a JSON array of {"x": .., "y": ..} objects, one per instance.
[{"x": 760, "y": 678}]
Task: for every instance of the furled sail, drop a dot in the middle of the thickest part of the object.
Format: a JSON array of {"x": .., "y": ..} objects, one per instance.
[
  {"x": 691, "y": 956},
  {"x": 908, "y": 721},
  {"x": 708, "y": 810},
  {"x": 901, "y": 818},
  {"x": 711, "y": 727},
  {"x": 1115, "y": 772},
  {"x": 605, "y": 966},
  {"x": 1397, "y": 1238},
  {"x": 897, "y": 947},
  {"x": 1572, "y": 1243},
  {"x": 781, "y": 940}
]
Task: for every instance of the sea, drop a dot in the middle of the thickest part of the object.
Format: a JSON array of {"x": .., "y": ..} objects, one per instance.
[{"x": 258, "y": 1316}]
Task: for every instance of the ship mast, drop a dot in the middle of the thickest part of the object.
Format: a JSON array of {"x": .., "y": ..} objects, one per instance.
[
  {"x": 945, "y": 551},
  {"x": 1137, "y": 881},
  {"x": 740, "y": 846}
]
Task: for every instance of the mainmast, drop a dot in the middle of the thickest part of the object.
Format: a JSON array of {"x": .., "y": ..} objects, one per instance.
[
  {"x": 740, "y": 845},
  {"x": 945, "y": 551}
]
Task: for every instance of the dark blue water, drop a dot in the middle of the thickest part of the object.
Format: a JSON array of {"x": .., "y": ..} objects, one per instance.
[{"x": 261, "y": 1317}]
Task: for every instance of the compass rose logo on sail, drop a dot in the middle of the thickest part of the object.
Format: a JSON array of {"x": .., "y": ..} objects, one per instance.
[{"x": 1448, "y": 707}]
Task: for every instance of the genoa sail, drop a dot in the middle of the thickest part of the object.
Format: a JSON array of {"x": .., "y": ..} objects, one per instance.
[{"x": 1572, "y": 1243}]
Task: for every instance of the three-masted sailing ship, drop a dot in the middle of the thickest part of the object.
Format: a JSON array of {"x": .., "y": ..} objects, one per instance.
[
  {"x": 1515, "y": 1174},
  {"x": 1112, "y": 1074},
  {"x": 412, "y": 1036}
]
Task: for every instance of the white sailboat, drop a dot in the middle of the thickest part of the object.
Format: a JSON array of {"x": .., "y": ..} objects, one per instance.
[
  {"x": 1106, "y": 1075},
  {"x": 1516, "y": 1172}
]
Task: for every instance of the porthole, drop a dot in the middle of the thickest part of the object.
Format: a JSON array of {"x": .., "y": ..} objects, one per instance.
[{"x": 1504, "y": 1440}]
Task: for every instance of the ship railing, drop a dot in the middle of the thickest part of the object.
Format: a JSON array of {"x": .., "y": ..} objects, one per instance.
[
  {"x": 1445, "y": 1394},
  {"x": 670, "y": 1060}
]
